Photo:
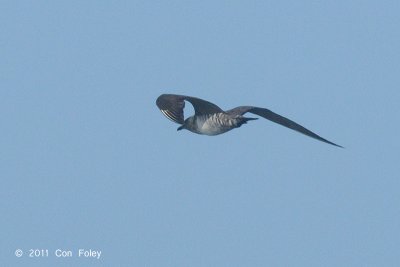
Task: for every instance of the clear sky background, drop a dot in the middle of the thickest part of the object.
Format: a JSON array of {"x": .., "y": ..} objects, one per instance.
[{"x": 88, "y": 161}]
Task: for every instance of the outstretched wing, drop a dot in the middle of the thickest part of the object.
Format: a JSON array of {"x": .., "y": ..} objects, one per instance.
[
  {"x": 172, "y": 106},
  {"x": 269, "y": 115}
]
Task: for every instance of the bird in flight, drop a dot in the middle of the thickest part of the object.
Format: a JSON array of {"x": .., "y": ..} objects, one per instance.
[{"x": 209, "y": 119}]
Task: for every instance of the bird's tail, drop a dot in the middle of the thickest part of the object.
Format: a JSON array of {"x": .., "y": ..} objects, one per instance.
[{"x": 245, "y": 120}]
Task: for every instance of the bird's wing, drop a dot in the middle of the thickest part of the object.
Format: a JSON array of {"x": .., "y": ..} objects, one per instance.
[
  {"x": 172, "y": 106},
  {"x": 269, "y": 115}
]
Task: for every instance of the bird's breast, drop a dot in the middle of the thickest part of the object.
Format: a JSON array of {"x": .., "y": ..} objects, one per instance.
[{"x": 214, "y": 124}]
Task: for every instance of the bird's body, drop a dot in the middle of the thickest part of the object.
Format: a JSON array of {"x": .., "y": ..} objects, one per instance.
[
  {"x": 209, "y": 119},
  {"x": 214, "y": 124}
]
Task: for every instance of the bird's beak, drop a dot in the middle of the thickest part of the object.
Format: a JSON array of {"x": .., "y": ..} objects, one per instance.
[{"x": 180, "y": 128}]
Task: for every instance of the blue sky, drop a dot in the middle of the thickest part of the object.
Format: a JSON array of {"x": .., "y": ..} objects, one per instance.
[{"x": 89, "y": 162}]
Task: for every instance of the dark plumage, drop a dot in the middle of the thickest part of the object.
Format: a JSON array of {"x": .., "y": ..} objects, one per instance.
[{"x": 209, "y": 119}]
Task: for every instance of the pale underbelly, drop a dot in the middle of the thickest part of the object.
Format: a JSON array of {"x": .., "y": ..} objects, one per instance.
[{"x": 210, "y": 127}]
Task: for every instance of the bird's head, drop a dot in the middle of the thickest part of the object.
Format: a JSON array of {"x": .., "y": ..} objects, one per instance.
[{"x": 187, "y": 124}]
